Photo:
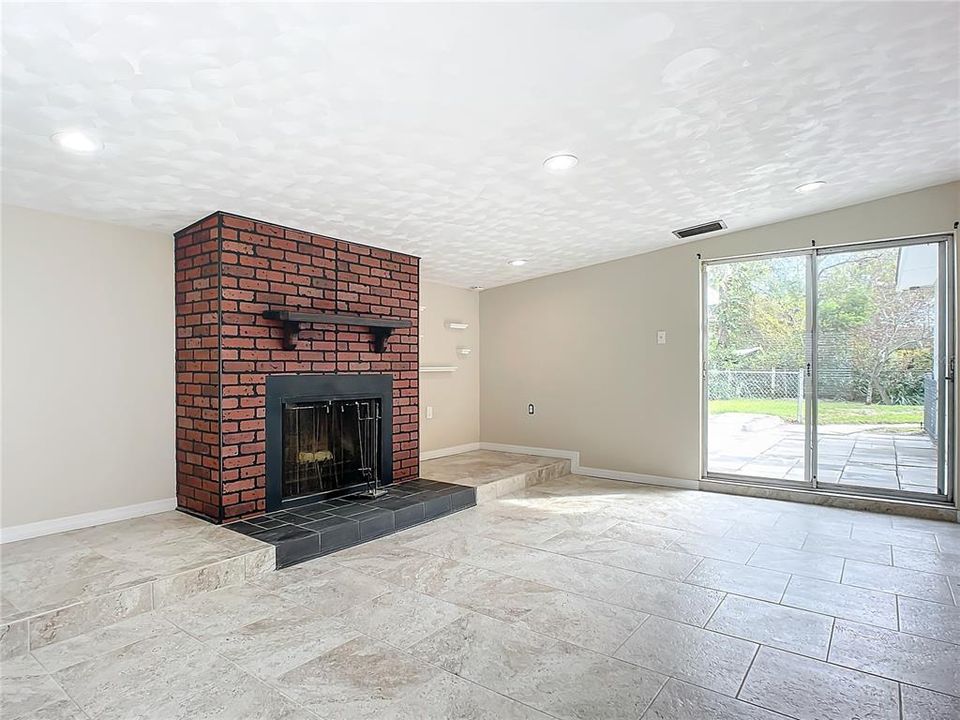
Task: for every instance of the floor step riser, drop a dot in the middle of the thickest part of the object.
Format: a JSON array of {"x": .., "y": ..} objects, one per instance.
[
  {"x": 21, "y": 635},
  {"x": 505, "y": 486}
]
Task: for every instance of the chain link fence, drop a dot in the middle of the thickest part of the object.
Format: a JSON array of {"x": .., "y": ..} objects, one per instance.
[{"x": 757, "y": 384}]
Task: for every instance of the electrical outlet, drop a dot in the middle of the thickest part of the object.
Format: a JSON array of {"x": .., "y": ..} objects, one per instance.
[
  {"x": 531, "y": 409},
  {"x": 661, "y": 337},
  {"x": 429, "y": 412}
]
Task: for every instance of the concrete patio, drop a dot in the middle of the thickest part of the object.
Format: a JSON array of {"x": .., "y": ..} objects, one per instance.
[{"x": 856, "y": 455}]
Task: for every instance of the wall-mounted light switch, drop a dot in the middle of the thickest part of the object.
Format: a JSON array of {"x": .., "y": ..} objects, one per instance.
[
  {"x": 429, "y": 412},
  {"x": 661, "y": 337}
]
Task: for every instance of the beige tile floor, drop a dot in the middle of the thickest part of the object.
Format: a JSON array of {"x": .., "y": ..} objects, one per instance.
[
  {"x": 43, "y": 574},
  {"x": 577, "y": 598}
]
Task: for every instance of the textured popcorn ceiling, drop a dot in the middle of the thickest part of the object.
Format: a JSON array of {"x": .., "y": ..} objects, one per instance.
[{"x": 423, "y": 128}]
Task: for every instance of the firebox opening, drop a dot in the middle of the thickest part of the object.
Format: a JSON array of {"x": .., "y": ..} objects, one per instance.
[{"x": 330, "y": 445}]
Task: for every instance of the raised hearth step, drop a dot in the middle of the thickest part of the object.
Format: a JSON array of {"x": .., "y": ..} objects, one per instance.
[
  {"x": 308, "y": 531},
  {"x": 494, "y": 473}
]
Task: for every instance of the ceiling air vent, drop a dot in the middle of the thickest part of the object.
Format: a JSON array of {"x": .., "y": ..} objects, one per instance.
[{"x": 702, "y": 229}]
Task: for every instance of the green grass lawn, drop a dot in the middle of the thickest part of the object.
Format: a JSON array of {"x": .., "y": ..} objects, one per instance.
[{"x": 832, "y": 412}]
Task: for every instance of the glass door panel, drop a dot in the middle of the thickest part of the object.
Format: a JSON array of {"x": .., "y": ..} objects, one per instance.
[
  {"x": 879, "y": 368},
  {"x": 755, "y": 370}
]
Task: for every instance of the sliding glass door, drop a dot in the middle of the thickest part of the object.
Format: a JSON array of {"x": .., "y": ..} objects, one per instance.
[
  {"x": 879, "y": 367},
  {"x": 757, "y": 349},
  {"x": 831, "y": 368}
]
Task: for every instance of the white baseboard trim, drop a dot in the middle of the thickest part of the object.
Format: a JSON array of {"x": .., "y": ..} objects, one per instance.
[
  {"x": 572, "y": 455},
  {"x": 577, "y": 469},
  {"x": 641, "y": 478},
  {"x": 452, "y": 450},
  {"x": 75, "y": 522}
]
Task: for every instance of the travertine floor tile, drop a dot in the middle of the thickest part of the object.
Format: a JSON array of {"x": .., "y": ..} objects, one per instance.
[
  {"x": 773, "y": 625},
  {"x": 154, "y": 676},
  {"x": 753, "y": 582},
  {"x": 675, "y": 600},
  {"x": 920, "y": 704},
  {"x": 781, "y": 536},
  {"x": 711, "y": 660},
  {"x": 932, "y": 620},
  {"x": 642, "y": 534},
  {"x": 851, "y": 549},
  {"x": 213, "y": 613},
  {"x": 843, "y": 601},
  {"x": 552, "y": 676},
  {"x": 250, "y": 700},
  {"x": 898, "y": 537},
  {"x": 798, "y": 562},
  {"x": 332, "y": 593},
  {"x": 682, "y": 701},
  {"x": 499, "y": 596},
  {"x": 920, "y": 661},
  {"x": 25, "y": 687},
  {"x": 622, "y": 554},
  {"x": 448, "y": 696},
  {"x": 103, "y": 640},
  {"x": 271, "y": 646},
  {"x": 717, "y": 548},
  {"x": 361, "y": 678},
  {"x": 942, "y": 563},
  {"x": 802, "y": 687},
  {"x": 912, "y": 583},
  {"x": 591, "y": 624},
  {"x": 401, "y": 617}
]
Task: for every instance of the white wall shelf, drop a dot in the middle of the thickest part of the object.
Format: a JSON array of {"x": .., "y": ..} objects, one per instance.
[{"x": 437, "y": 368}]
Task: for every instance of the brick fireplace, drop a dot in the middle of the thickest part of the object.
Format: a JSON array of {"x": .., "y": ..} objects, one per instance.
[{"x": 230, "y": 270}]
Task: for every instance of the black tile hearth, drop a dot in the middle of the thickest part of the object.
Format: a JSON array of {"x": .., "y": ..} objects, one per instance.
[{"x": 309, "y": 531}]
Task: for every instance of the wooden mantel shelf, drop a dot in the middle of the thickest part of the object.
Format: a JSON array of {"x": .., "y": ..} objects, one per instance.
[{"x": 381, "y": 328}]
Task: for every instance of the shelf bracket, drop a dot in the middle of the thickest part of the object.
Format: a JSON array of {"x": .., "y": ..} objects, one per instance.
[
  {"x": 291, "y": 334},
  {"x": 380, "y": 337}
]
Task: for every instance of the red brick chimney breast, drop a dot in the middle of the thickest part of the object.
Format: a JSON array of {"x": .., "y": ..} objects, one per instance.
[{"x": 229, "y": 270}]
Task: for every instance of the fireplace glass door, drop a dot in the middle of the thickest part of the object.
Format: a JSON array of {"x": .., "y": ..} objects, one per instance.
[{"x": 329, "y": 446}]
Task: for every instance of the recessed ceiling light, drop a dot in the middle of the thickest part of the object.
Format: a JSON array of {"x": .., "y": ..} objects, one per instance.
[
  {"x": 76, "y": 141},
  {"x": 517, "y": 263},
  {"x": 476, "y": 287},
  {"x": 810, "y": 186},
  {"x": 561, "y": 162}
]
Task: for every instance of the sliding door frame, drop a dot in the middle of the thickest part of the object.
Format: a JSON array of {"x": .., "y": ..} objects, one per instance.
[
  {"x": 945, "y": 372},
  {"x": 810, "y": 377},
  {"x": 808, "y": 405}
]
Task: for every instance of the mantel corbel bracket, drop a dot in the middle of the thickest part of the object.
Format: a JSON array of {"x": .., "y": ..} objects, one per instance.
[
  {"x": 380, "y": 337},
  {"x": 380, "y": 328},
  {"x": 291, "y": 334}
]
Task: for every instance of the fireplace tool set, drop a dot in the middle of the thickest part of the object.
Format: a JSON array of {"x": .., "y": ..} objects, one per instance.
[{"x": 368, "y": 439}]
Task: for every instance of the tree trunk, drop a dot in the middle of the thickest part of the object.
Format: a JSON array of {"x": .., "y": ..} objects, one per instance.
[{"x": 884, "y": 395}]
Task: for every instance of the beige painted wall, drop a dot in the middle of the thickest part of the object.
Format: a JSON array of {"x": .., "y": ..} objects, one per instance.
[
  {"x": 454, "y": 397},
  {"x": 88, "y": 366},
  {"x": 582, "y": 345}
]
